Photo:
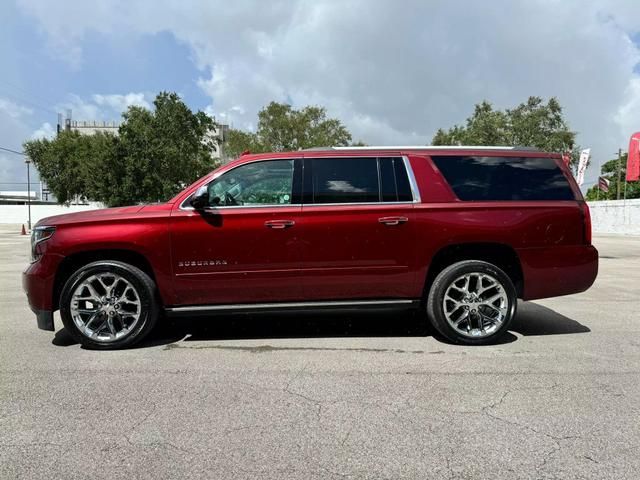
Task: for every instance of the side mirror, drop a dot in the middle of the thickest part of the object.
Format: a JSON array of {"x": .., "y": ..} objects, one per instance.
[{"x": 200, "y": 199}]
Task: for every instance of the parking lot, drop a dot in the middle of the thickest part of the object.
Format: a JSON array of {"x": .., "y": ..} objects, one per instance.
[{"x": 350, "y": 396}]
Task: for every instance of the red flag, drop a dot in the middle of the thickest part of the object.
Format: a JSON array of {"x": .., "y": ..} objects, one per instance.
[{"x": 633, "y": 158}]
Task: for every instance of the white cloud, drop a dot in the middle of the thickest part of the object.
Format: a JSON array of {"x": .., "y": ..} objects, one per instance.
[
  {"x": 14, "y": 110},
  {"x": 392, "y": 74},
  {"x": 82, "y": 109},
  {"x": 120, "y": 103},
  {"x": 102, "y": 107},
  {"x": 67, "y": 24},
  {"x": 628, "y": 115},
  {"x": 46, "y": 130},
  {"x": 17, "y": 125},
  {"x": 14, "y": 130}
]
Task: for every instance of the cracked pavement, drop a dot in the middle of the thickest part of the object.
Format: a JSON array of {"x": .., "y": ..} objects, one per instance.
[{"x": 323, "y": 397}]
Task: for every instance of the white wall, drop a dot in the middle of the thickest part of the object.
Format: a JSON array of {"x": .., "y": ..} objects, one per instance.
[
  {"x": 18, "y": 214},
  {"x": 616, "y": 216}
]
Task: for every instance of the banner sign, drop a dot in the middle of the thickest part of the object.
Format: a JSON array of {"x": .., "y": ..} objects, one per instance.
[
  {"x": 582, "y": 165},
  {"x": 633, "y": 158}
]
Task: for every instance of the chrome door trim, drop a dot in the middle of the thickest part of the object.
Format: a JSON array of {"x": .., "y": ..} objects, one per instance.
[
  {"x": 232, "y": 207},
  {"x": 415, "y": 191},
  {"x": 356, "y": 204},
  {"x": 286, "y": 305}
]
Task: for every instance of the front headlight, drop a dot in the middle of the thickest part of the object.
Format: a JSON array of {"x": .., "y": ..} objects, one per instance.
[{"x": 39, "y": 235}]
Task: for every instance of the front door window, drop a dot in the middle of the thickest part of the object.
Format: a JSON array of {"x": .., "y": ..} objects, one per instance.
[{"x": 254, "y": 184}]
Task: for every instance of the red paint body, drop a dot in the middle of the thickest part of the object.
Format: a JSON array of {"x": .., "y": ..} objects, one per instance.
[{"x": 329, "y": 251}]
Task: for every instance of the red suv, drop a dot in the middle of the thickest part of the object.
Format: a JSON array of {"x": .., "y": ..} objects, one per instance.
[{"x": 461, "y": 232}]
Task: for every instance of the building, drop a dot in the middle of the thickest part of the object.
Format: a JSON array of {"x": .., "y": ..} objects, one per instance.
[
  {"x": 91, "y": 127},
  {"x": 22, "y": 197},
  {"x": 218, "y": 134}
]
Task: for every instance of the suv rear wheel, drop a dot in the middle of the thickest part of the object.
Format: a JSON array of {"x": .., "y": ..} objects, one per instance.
[
  {"x": 109, "y": 305},
  {"x": 472, "y": 302}
]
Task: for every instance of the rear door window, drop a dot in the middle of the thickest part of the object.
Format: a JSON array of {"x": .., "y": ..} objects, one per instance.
[
  {"x": 504, "y": 178},
  {"x": 344, "y": 180},
  {"x": 356, "y": 180}
]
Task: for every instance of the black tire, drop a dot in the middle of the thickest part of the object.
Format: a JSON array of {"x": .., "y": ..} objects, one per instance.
[
  {"x": 436, "y": 295},
  {"x": 144, "y": 287}
]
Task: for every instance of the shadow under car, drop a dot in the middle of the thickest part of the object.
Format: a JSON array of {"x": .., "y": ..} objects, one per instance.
[{"x": 532, "y": 319}]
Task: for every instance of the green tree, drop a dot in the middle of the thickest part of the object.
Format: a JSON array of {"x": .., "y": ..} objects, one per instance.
[
  {"x": 239, "y": 141},
  {"x": 609, "y": 170},
  {"x": 531, "y": 124},
  {"x": 155, "y": 155},
  {"x": 71, "y": 164},
  {"x": 283, "y": 128},
  {"x": 158, "y": 152}
]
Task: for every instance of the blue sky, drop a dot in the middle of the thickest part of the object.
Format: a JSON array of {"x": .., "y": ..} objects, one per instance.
[
  {"x": 110, "y": 64},
  {"x": 36, "y": 79},
  {"x": 392, "y": 75}
]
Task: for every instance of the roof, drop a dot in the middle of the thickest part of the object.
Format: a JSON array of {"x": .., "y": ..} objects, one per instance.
[
  {"x": 425, "y": 148},
  {"x": 400, "y": 150}
]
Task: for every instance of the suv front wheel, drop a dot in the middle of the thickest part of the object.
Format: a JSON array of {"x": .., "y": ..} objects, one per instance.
[
  {"x": 109, "y": 305},
  {"x": 472, "y": 302}
]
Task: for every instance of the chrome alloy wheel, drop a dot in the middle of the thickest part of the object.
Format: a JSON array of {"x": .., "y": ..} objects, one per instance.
[
  {"x": 105, "y": 307},
  {"x": 475, "y": 305}
]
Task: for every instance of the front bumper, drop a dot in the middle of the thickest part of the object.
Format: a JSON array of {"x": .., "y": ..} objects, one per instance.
[{"x": 38, "y": 281}]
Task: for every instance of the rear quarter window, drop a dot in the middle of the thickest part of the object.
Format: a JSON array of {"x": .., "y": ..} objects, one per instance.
[{"x": 504, "y": 178}]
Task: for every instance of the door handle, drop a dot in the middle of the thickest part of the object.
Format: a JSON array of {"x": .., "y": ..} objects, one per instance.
[
  {"x": 392, "y": 221},
  {"x": 279, "y": 224}
]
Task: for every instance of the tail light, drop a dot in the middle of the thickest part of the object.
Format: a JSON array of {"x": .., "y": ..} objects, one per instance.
[{"x": 586, "y": 223}]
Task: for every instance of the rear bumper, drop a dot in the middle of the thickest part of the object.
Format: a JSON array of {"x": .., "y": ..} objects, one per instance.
[
  {"x": 559, "y": 270},
  {"x": 37, "y": 282}
]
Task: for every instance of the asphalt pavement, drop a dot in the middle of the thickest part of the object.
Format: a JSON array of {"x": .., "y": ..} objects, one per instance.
[{"x": 323, "y": 397}]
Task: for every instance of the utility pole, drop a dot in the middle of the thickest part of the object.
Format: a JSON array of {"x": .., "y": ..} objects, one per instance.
[
  {"x": 625, "y": 189},
  {"x": 28, "y": 162},
  {"x": 619, "y": 172}
]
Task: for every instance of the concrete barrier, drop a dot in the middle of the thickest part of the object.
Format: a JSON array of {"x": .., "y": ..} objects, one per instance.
[
  {"x": 616, "y": 216},
  {"x": 18, "y": 214}
]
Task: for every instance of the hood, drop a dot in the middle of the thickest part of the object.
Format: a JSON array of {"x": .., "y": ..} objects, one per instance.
[{"x": 105, "y": 214}]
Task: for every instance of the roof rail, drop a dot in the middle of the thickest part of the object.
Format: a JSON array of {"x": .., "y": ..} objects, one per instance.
[{"x": 423, "y": 147}]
